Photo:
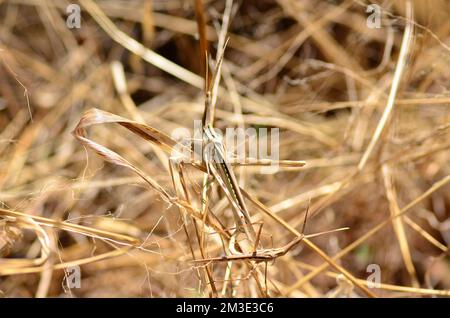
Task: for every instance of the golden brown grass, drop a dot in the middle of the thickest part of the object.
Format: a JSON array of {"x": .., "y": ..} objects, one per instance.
[{"x": 366, "y": 109}]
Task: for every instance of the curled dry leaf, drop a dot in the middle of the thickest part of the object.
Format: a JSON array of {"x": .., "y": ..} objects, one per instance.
[{"x": 96, "y": 116}]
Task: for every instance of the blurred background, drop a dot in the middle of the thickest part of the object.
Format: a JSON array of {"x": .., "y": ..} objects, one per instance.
[{"x": 321, "y": 71}]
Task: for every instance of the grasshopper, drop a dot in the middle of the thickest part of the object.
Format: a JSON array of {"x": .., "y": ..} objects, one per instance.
[
  {"x": 215, "y": 159},
  {"x": 214, "y": 163}
]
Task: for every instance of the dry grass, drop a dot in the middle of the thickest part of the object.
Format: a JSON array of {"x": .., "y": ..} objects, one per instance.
[{"x": 366, "y": 109}]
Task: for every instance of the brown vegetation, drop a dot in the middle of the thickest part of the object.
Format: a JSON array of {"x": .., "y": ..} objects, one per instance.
[{"x": 367, "y": 109}]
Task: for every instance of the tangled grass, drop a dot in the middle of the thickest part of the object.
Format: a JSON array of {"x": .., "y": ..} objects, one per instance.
[{"x": 367, "y": 109}]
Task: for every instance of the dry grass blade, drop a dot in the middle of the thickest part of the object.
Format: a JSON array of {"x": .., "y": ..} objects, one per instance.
[
  {"x": 89, "y": 231},
  {"x": 176, "y": 207},
  {"x": 96, "y": 116},
  {"x": 137, "y": 48},
  {"x": 266, "y": 254},
  {"x": 374, "y": 230}
]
